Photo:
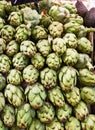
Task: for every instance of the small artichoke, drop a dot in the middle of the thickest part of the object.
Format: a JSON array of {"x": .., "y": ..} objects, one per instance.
[
  {"x": 2, "y": 82},
  {"x": 2, "y": 45},
  {"x": 2, "y": 101}
]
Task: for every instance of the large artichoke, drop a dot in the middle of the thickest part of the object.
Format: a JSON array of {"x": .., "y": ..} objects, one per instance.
[
  {"x": 2, "y": 101},
  {"x": 48, "y": 78},
  {"x": 46, "y": 113},
  {"x": 14, "y": 95},
  {"x": 36, "y": 95},
  {"x": 2, "y": 82},
  {"x": 30, "y": 74}
]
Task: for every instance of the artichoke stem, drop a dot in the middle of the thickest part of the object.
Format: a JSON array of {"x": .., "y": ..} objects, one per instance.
[{"x": 90, "y": 66}]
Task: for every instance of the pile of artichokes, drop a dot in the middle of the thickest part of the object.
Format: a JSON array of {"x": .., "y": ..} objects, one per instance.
[{"x": 46, "y": 74}]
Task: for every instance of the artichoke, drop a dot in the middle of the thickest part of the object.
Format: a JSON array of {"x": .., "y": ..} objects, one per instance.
[
  {"x": 89, "y": 122},
  {"x": 81, "y": 111},
  {"x": 72, "y": 124},
  {"x": 55, "y": 29},
  {"x": 14, "y": 77},
  {"x": 44, "y": 47},
  {"x": 12, "y": 48},
  {"x": 48, "y": 78},
  {"x": 53, "y": 61},
  {"x": 64, "y": 113},
  {"x": 2, "y": 10},
  {"x": 7, "y": 33},
  {"x": 30, "y": 74},
  {"x": 36, "y": 95},
  {"x": 67, "y": 78},
  {"x": 36, "y": 125},
  {"x": 2, "y": 126},
  {"x": 14, "y": 95},
  {"x": 2, "y": 82},
  {"x": 71, "y": 40},
  {"x": 73, "y": 97},
  {"x": 8, "y": 115},
  {"x": 28, "y": 48},
  {"x": 55, "y": 125},
  {"x": 88, "y": 95},
  {"x": 39, "y": 33},
  {"x": 20, "y": 61},
  {"x": 84, "y": 46},
  {"x": 38, "y": 61},
  {"x": 2, "y": 22},
  {"x": 2, "y": 101},
  {"x": 15, "y": 19},
  {"x": 24, "y": 115},
  {"x": 69, "y": 59},
  {"x": 2, "y": 45},
  {"x": 46, "y": 113},
  {"x": 59, "y": 46},
  {"x": 56, "y": 97},
  {"x": 5, "y": 63}
]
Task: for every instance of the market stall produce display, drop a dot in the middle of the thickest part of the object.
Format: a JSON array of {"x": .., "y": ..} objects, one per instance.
[{"x": 46, "y": 74}]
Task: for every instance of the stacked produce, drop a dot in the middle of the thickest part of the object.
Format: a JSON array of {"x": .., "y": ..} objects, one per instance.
[{"x": 46, "y": 73}]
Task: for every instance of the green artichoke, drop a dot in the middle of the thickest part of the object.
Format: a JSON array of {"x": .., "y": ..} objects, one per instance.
[
  {"x": 30, "y": 74},
  {"x": 24, "y": 115},
  {"x": 55, "y": 125},
  {"x": 38, "y": 61},
  {"x": 64, "y": 113},
  {"x": 2, "y": 22},
  {"x": 12, "y": 48},
  {"x": 36, "y": 95},
  {"x": 56, "y": 97},
  {"x": 8, "y": 115},
  {"x": 67, "y": 78},
  {"x": 7, "y": 33},
  {"x": 73, "y": 97},
  {"x": 59, "y": 46},
  {"x": 71, "y": 40},
  {"x": 28, "y": 48},
  {"x": 44, "y": 47},
  {"x": 15, "y": 19},
  {"x": 84, "y": 46},
  {"x": 46, "y": 113},
  {"x": 53, "y": 61},
  {"x": 81, "y": 111},
  {"x": 5, "y": 63},
  {"x": 88, "y": 95},
  {"x": 48, "y": 78},
  {"x": 14, "y": 77},
  {"x": 36, "y": 125},
  {"x": 2, "y": 126},
  {"x": 2, "y": 101},
  {"x": 39, "y": 33},
  {"x": 70, "y": 57},
  {"x": 72, "y": 124},
  {"x": 2, "y": 10},
  {"x": 2, "y": 82},
  {"x": 2, "y": 45},
  {"x": 55, "y": 29},
  {"x": 20, "y": 61},
  {"x": 14, "y": 95}
]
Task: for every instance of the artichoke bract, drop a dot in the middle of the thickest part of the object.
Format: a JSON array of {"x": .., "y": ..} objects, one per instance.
[
  {"x": 30, "y": 74},
  {"x": 2, "y": 82},
  {"x": 38, "y": 61},
  {"x": 8, "y": 115},
  {"x": 55, "y": 125},
  {"x": 56, "y": 97},
  {"x": 59, "y": 46},
  {"x": 48, "y": 78},
  {"x": 5, "y": 63},
  {"x": 2, "y": 101},
  {"x": 14, "y": 95},
  {"x": 25, "y": 115},
  {"x": 69, "y": 59},
  {"x": 44, "y": 47},
  {"x": 64, "y": 113},
  {"x": 53, "y": 61},
  {"x": 28, "y": 48},
  {"x": 2, "y": 45},
  {"x": 36, "y": 95},
  {"x": 2, "y": 126},
  {"x": 72, "y": 124},
  {"x": 67, "y": 78},
  {"x": 2, "y": 22},
  {"x": 55, "y": 29},
  {"x": 46, "y": 113},
  {"x": 7, "y": 33},
  {"x": 36, "y": 125},
  {"x": 14, "y": 77}
]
